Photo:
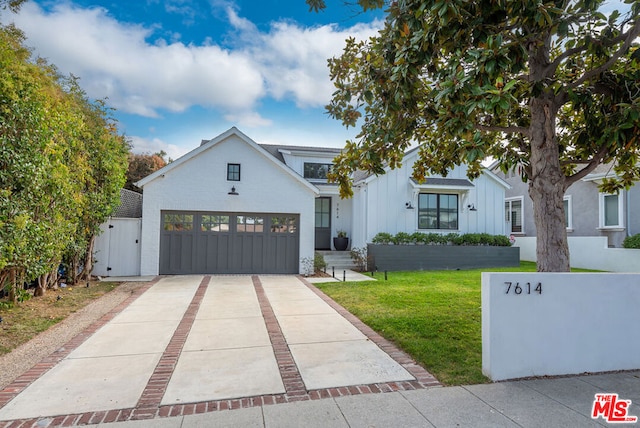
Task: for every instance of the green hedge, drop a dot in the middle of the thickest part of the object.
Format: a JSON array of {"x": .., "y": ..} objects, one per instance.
[
  {"x": 419, "y": 238},
  {"x": 632, "y": 241}
]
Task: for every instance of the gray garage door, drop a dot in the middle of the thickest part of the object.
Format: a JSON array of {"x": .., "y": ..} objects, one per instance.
[{"x": 218, "y": 242}]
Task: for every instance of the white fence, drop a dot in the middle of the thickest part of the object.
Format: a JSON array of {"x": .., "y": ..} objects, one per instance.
[
  {"x": 588, "y": 252},
  {"x": 537, "y": 324},
  {"x": 117, "y": 248}
]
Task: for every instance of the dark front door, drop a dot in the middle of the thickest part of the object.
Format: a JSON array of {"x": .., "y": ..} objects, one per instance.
[{"x": 323, "y": 223}]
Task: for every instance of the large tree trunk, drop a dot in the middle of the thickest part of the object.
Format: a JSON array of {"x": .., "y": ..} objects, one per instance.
[{"x": 547, "y": 187}]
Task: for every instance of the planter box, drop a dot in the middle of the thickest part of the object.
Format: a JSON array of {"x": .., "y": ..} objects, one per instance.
[
  {"x": 340, "y": 244},
  {"x": 441, "y": 257}
]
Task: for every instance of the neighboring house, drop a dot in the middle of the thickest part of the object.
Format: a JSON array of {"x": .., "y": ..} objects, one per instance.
[
  {"x": 588, "y": 212},
  {"x": 234, "y": 206}
]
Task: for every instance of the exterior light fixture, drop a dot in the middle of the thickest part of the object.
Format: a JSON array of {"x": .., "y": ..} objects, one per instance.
[
  {"x": 472, "y": 207},
  {"x": 408, "y": 205},
  {"x": 233, "y": 191}
]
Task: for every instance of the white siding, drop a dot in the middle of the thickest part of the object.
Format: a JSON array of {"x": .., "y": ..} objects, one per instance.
[
  {"x": 384, "y": 200},
  {"x": 200, "y": 184}
]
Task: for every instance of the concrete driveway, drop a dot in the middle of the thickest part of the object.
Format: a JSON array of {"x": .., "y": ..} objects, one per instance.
[{"x": 194, "y": 344}]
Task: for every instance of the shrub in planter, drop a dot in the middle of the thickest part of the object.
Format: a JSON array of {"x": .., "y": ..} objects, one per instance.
[
  {"x": 632, "y": 241},
  {"x": 436, "y": 239},
  {"x": 468, "y": 239},
  {"x": 382, "y": 238},
  {"x": 453, "y": 238},
  {"x": 501, "y": 241},
  {"x": 403, "y": 238}
]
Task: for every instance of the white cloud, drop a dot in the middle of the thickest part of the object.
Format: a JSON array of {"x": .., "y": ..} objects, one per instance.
[
  {"x": 293, "y": 59},
  {"x": 115, "y": 60},
  {"x": 155, "y": 145},
  {"x": 248, "y": 119}
]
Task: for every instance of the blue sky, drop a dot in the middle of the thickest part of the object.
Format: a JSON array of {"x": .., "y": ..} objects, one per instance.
[{"x": 179, "y": 71}]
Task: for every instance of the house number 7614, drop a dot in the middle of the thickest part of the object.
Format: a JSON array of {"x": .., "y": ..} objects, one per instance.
[{"x": 520, "y": 289}]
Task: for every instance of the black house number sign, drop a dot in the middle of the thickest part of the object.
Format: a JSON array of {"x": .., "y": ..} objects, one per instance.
[{"x": 526, "y": 288}]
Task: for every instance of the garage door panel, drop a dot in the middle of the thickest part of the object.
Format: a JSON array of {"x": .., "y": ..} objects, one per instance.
[{"x": 228, "y": 243}]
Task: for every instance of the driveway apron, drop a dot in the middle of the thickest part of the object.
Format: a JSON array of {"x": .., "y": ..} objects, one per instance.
[{"x": 211, "y": 340}]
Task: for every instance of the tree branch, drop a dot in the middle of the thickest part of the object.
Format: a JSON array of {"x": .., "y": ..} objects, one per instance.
[
  {"x": 505, "y": 129},
  {"x": 551, "y": 68},
  {"x": 629, "y": 37},
  {"x": 593, "y": 163}
]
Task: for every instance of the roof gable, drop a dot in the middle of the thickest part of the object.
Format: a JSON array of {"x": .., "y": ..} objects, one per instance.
[{"x": 208, "y": 145}]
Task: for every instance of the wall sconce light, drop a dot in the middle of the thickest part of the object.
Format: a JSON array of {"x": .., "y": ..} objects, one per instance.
[
  {"x": 472, "y": 207},
  {"x": 233, "y": 191},
  {"x": 408, "y": 205}
]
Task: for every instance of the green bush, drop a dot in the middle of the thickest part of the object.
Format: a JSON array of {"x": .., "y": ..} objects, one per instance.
[
  {"x": 632, "y": 241},
  {"x": 453, "y": 238},
  {"x": 501, "y": 241},
  {"x": 359, "y": 257},
  {"x": 419, "y": 238},
  {"x": 382, "y": 238},
  {"x": 318, "y": 262},
  {"x": 403, "y": 238}
]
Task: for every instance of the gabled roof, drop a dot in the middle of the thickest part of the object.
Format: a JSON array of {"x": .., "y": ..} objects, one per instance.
[
  {"x": 277, "y": 150},
  {"x": 365, "y": 176},
  {"x": 206, "y": 145}
]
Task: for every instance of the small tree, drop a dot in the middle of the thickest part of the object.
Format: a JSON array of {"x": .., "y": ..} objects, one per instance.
[
  {"x": 141, "y": 165},
  {"x": 551, "y": 85}
]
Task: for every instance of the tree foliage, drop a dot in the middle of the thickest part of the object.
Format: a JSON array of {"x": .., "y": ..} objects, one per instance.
[
  {"x": 61, "y": 166},
  {"x": 551, "y": 85},
  {"x": 12, "y": 5},
  {"x": 141, "y": 165}
]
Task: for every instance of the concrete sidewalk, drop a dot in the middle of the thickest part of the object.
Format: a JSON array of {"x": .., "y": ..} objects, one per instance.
[
  {"x": 558, "y": 402},
  {"x": 269, "y": 351}
]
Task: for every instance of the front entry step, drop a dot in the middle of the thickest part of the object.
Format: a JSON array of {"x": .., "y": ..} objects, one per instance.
[{"x": 338, "y": 259}]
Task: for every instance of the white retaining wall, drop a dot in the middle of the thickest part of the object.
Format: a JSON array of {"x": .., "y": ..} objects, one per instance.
[
  {"x": 588, "y": 252},
  {"x": 576, "y": 323}
]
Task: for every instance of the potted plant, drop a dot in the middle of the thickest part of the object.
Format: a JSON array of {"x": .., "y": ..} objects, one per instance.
[{"x": 341, "y": 242}]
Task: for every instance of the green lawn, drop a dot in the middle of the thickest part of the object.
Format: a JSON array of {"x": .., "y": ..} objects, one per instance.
[{"x": 434, "y": 316}]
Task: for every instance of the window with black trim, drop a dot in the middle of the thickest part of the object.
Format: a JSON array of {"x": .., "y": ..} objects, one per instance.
[
  {"x": 437, "y": 211},
  {"x": 233, "y": 172},
  {"x": 316, "y": 171}
]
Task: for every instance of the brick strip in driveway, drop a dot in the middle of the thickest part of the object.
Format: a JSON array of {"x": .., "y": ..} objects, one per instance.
[
  {"x": 288, "y": 369},
  {"x": 226, "y": 305},
  {"x": 151, "y": 397}
]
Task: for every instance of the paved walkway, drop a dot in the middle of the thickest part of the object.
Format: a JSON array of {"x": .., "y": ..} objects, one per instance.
[{"x": 270, "y": 351}]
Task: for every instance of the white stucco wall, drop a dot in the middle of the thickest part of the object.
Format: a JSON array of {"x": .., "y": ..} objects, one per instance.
[
  {"x": 588, "y": 252},
  {"x": 385, "y": 198},
  {"x": 579, "y": 322},
  {"x": 200, "y": 184}
]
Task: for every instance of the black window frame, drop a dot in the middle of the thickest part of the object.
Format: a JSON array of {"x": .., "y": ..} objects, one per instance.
[
  {"x": 231, "y": 173},
  {"x": 316, "y": 167},
  {"x": 438, "y": 211}
]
